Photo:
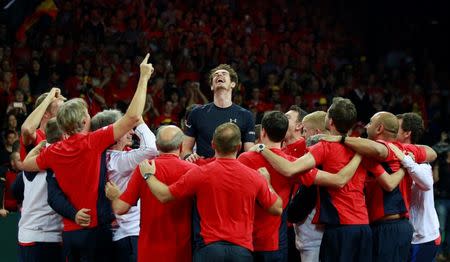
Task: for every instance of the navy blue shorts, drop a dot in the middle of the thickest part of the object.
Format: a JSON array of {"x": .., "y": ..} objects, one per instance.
[
  {"x": 41, "y": 251},
  {"x": 424, "y": 251},
  {"x": 271, "y": 256},
  {"x": 93, "y": 244},
  {"x": 346, "y": 243},
  {"x": 223, "y": 251},
  {"x": 126, "y": 249},
  {"x": 392, "y": 240}
]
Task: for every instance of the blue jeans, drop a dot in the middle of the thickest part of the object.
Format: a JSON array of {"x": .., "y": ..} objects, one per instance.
[
  {"x": 223, "y": 252},
  {"x": 443, "y": 211}
]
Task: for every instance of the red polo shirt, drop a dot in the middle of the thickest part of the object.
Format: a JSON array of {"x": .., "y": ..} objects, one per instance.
[
  {"x": 347, "y": 205},
  {"x": 267, "y": 232},
  {"x": 165, "y": 228},
  {"x": 381, "y": 203},
  {"x": 296, "y": 149},
  {"x": 76, "y": 163},
  {"x": 226, "y": 192}
]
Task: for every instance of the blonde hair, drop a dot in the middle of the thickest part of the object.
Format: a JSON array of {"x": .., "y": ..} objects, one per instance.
[
  {"x": 70, "y": 116},
  {"x": 316, "y": 119}
]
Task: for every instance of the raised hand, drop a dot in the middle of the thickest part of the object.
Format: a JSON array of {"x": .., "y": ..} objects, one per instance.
[{"x": 146, "y": 68}]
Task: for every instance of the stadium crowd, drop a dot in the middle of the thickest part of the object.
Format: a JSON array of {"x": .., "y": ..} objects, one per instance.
[{"x": 212, "y": 63}]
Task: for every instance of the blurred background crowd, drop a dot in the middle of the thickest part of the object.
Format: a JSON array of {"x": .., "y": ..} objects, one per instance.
[{"x": 383, "y": 56}]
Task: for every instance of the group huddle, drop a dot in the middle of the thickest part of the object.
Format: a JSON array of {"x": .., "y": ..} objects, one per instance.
[{"x": 223, "y": 190}]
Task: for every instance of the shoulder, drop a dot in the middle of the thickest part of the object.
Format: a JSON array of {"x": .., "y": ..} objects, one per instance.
[
  {"x": 239, "y": 109},
  {"x": 202, "y": 108},
  {"x": 250, "y": 155}
]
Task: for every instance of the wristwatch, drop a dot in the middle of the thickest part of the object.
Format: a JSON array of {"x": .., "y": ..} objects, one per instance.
[
  {"x": 146, "y": 176},
  {"x": 260, "y": 148}
]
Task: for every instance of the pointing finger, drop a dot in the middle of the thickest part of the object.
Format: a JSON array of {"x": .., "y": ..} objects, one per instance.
[{"x": 145, "y": 61}]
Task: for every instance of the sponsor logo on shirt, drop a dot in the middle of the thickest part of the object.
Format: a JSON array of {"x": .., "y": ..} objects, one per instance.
[{"x": 233, "y": 120}]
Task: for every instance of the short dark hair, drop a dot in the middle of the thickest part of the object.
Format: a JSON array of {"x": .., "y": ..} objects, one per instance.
[
  {"x": 343, "y": 112},
  {"x": 52, "y": 131},
  {"x": 275, "y": 123},
  {"x": 412, "y": 122},
  {"x": 233, "y": 74},
  {"x": 301, "y": 113},
  {"x": 226, "y": 138}
]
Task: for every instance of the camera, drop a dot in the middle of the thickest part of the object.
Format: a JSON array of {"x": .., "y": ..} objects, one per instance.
[{"x": 18, "y": 104}]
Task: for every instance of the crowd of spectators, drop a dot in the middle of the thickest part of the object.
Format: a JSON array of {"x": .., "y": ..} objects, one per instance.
[{"x": 285, "y": 53}]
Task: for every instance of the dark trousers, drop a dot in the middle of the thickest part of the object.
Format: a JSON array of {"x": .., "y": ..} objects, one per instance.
[
  {"x": 93, "y": 244},
  {"x": 424, "y": 252},
  {"x": 346, "y": 243},
  {"x": 293, "y": 253},
  {"x": 392, "y": 240},
  {"x": 270, "y": 256},
  {"x": 41, "y": 251},
  {"x": 126, "y": 249},
  {"x": 223, "y": 252}
]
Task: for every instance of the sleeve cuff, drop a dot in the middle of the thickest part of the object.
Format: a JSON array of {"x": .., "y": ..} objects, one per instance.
[{"x": 408, "y": 162}]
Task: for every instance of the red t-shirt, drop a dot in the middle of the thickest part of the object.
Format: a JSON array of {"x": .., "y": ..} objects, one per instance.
[
  {"x": 347, "y": 205},
  {"x": 40, "y": 135},
  {"x": 165, "y": 228},
  {"x": 296, "y": 149},
  {"x": 266, "y": 229},
  {"x": 381, "y": 203},
  {"x": 226, "y": 193},
  {"x": 76, "y": 163}
]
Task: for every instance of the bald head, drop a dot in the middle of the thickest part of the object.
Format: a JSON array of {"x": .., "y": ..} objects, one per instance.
[
  {"x": 169, "y": 139},
  {"x": 383, "y": 125}
]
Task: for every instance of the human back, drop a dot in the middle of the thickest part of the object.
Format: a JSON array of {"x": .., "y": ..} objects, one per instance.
[{"x": 230, "y": 189}]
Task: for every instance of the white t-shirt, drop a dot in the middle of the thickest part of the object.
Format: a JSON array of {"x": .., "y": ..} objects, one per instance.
[{"x": 120, "y": 166}]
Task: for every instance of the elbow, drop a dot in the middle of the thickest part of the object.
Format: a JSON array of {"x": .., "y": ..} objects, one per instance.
[
  {"x": 119, "y": 210},
  {"x": 278, "y": 211},
  {"x": 25, "y": 131},
  {"x": 287, "y": 172},
  {"x": 163, "y": 199},
  {"x": 432, "y": 156},
  {"x": 133, "y": 118},
  {"x": 341, "y": 184},
  {"x": 389, "y": 188},
  {"x": 150, "y": 152}
]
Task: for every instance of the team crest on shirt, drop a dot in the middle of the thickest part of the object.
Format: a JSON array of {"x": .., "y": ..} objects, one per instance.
[{"x": 233, "y": 120}]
